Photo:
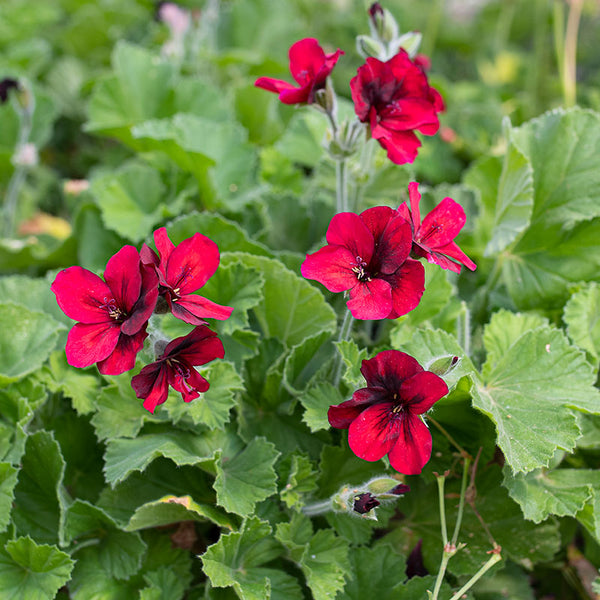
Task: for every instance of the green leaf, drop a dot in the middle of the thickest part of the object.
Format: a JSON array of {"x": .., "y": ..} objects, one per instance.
[
  {"x": 247, "y": 478},
  {"x": 514, "y": 203},
  {"x": 234, "y": 561},
  {"x": 237, "y": 285},
  {"x": 316, "y": 401},
  {"x": 137, "y": 91},
  {"x": 562, "y": 492},
  {"x": 532, "y": 412},
  {"x": 124, "y": 456},
  {"x": 503, "y": 330},
  {"x": 117, "y": 552},
  {"x": 297, "y": 477},
  {"x": 306, "y": 361},
  {"x": 174, "y": 509},
  {"x": 375, "y": 573},
  {"x": 438, "y": 291},
  {"x": 81, "y": 386},
  {"x": 352, "y": 357},
  {"x": 211, "y": 408},
  {"x": 39, "y": 498},
  {"x": 567, "y": 183},
  {"x": 292, "y": 309},
  {"x": 33, "y": 336},
  {"x": 302, "y": 138},
  {"x": 32, "y": 571},
  {"x": 163, "y": 584},
  {"x": 581, "y": 317},
  {"x": 8, "y": 480},
  {"x": 322, "y": 557},
  {"x": 131, "y": 200}
]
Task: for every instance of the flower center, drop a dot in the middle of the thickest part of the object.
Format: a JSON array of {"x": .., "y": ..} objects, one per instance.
[
  {"x": 399, "y": 407},
  {"x": 360, "y": 268},
  {"x": 114, "y": 312}
]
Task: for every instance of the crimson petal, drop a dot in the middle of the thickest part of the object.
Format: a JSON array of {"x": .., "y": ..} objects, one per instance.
[
  {"x": 408, "y": 285},
  {"x": 389, "y": 369},
  {"x": 194, "y": 309},
  {"x": 348, "y": 230},
  {"x": 374, "y": 432},
  {"x": 123, "y": 277},
  {"x": 421, "y": 391},
  {"x": 88, "y": 343},
  {"x": 442, "y": 224},
  {"x": 152, "y": 384},
  {"x": 331, "y": 266},
  {"x": 370, "y": 300},
  {"x": 123, "y": 356},
  {"x": 412, "y": 448}
]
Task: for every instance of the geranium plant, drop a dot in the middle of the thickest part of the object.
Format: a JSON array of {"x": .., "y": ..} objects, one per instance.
[{"x": 299, "y": 302}]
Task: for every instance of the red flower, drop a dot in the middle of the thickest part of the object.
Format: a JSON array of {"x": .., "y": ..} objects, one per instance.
[
  {"x": 112, "y": 314},
  {"x": 383, "y": 418},
  {"x": 175, "y": 367},
  {"x": 183, "y": 269},
  {"x": 433, "y": 238},
  {"x": 310, "y": 67},
  {"x": 368, "y": 255},
  {"x": 395, "y": 99}
]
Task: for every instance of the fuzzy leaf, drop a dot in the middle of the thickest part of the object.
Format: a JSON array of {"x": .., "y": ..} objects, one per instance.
[
  {"x": 316, "y": 401},
  {"x": 8, "y": 480},
  {"x": 581, "y": 316}
]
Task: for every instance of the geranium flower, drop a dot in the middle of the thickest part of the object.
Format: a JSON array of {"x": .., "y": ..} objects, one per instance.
[
  {"x": 395, "y": 99},
  {"x": 112, "y": 314},
  {"x": 433, "y": 238},
  {"x": 383, "y": 418},
  {"x": 310, "y": 67},
  {"x": 175, "y": 368},
  {"x": 183, "y": 269},
  {"x": 367, "y": 254}
]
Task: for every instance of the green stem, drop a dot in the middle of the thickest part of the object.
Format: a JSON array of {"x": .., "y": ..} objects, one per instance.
[
  {"x": 440, "y": 576},
  {"x": 440, "y": 481},
  {"x": 570, "y": 56},
  {"x": 341, "y": 188},
  {"x": 494, "y": 558},
  {"x": 558, "y": 22},
  {"x": 461, "y": 504},
  {"x": 343, "y": 336},
  {"x": 318, "y": 508}
]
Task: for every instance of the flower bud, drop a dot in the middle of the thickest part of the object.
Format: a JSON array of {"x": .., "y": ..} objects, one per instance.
[
  {"x": 326, "y": 99},
  {"x": 443, "y": 365},
  {"x": 380, "y": 485},
  {"x": 367, "y": 46},
  {"x": 410, "y": 41},
  {"x": 364, "y": 503},
  {"x": 382, "y": 23}
]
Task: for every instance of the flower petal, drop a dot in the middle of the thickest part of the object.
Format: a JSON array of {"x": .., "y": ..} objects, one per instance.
[
  {"x": 421, "y": 391},
  {"x": 389, "y": 369},
  {"x": 152, "y": 385},
  {"x": 88, "y": 343},
  {"x": 412, "y": 449},
  {"x": 144, "y": 307},
  {"x": 82, "y": 295},
  {"x": 123, "y": 277},
  {"x": 453, "y": 251},
  {"x": 394, "y": 245},
  {"x": 123, "y": 356},
  {"x": 408, "y": 285},
  {"x": 402, "y": 146},
  {"x": 348, "y": 230},
  {"x": 165, "y": 246},
  {"x": 331, "y": 266},
  {"x": 442, "y": 224},
  {"x": 192, "y": 263},
  {"x": 198, "y": 347},
  {"x": 194, "y": 309},
  {"x": 415, "y": 199},
  {"x": 370, "y": 300},
  {"x": 373, "y": 433},
  {"x": 188, "y": 382},
  {"x": 376, "y": 219},
  {"x": 306, "y": 59},
  {"x": 273, "y": 85}
]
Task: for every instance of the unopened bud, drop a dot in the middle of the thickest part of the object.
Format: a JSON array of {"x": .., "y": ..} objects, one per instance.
[
  {"x": 364, "y": 503},
  {"x": 410, "y": 42},
  {"x": 380, "y": 485},
  {"x": 382, "y": 23},
  {"x": 367, "y": 46},
  {"x": 326, "y": 99},
  {"x": 443, "y": 365}
]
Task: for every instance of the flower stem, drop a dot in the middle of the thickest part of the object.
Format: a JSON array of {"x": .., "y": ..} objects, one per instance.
[
  {"x": 461, "y": 503},
  {"x": 494, "y": 558},
  {"x": 317, "y": 508},
  {"x": 343, "y": 336},
  {"x": 341, "y": 188},
  {"x": 570, "y": 53},
  {"x": 440, "y": 576},
  {"x": 441, "y": 479},
  {"x": 443, "y": 431}
]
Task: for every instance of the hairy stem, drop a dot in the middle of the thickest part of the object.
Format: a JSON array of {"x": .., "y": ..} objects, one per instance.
[
  {"x": 341, "y": 188},
  {"x": 343, "y": 336},
  {"x": 461, "y": 503},
  {"x": 317, "y": 508},
  {"x": 494, "y": 558}
]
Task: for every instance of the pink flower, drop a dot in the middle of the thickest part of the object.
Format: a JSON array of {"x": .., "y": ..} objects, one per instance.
[
  {"x": 383, "y": 418},
  {"x": 395, "y": 99},
  {"x": 183, "y": 269},
  {"x": 310, "y": 67},
  {"x": 433, "y": 238},
  {"x": 112, "y": 314},
  {"x": 367, "y": 254},
  {"x": 175, "y": 368}
]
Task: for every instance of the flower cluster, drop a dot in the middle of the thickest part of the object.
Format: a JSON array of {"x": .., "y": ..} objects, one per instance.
[{"x": 112, "y": 314}]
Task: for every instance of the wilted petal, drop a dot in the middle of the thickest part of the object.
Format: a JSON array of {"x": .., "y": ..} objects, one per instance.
[{"x": 412, "y": 448}]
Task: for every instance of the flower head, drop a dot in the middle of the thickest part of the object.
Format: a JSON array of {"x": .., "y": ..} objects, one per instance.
[
  {"x": 112, "y": 314},
  {"x": 367, "y": 254},
  {"x": 364, "y": 503},
  {"x": 182, "y": 270},
  {"x": 383, "y": 418},
  {"x": 310, "y": 67},
  {"x": 175, "y": 368},
  {"x": 434, "y": 237},
  {"x": 395, "y": 99}
]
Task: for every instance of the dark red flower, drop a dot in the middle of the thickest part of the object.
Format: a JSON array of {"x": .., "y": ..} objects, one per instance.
[
  {"x": 367, "y": 254},
  {"x": 383, "y": 418},
  {"x": 433, "y": 238},
  {"x": 364, "y": 503},
  {"x": 112, "y": 314},
  {"x": 310, "y": 67},
  {"x": 395, "y": 99},
  {"x": 183, "y": 269},
  {"x": 175, "y": 368}
]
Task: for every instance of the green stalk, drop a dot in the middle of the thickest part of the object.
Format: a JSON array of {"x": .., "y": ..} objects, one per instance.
[
  {"x": 570, "y": 53},
  {"x": 341, "y": 187},
  {"x": 318, "y": 508},
  {"x": 494, "y": 558},
  {"x": 343, "y": 336},
  {"x": 441, "y": 479},
  {"x": 461, "y": 504}
]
